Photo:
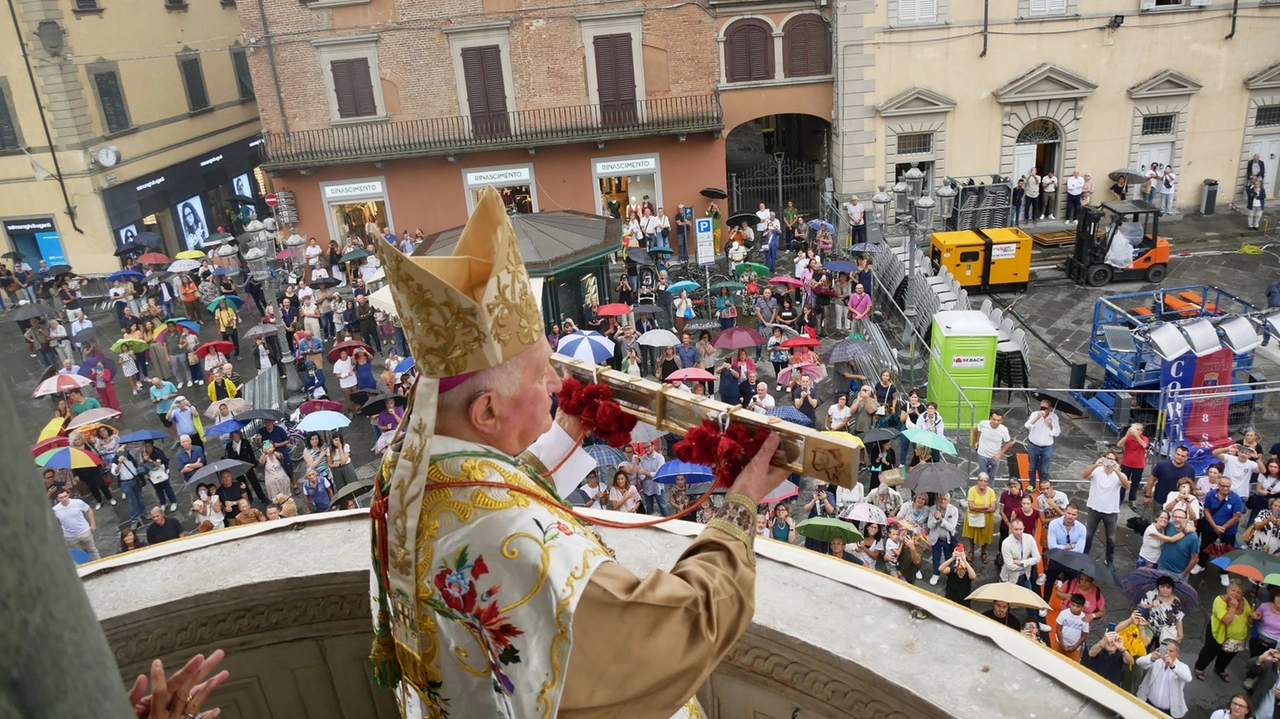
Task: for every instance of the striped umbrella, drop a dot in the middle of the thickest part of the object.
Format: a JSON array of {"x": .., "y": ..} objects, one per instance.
[
  {"x": 812, "y": 371},
  {"x": 60, "y": 383},
  {"x": 605, "y": 456},
  {"x": 587, "y": 346},
  {"x": 68, "y": 458},
  {"x": 790, "y": 414}
]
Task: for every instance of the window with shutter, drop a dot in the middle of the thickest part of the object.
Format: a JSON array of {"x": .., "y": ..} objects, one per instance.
[
  {"x": 486, "y": 91},
  {"x": 193, "y": 78},
  {"x": 917, "y": 12},
  {"x": 615, "y": 78},
  {"x": 1046, "y": 8},
  {"x": 806, "y": 44},
  {"x": 353, "y": 87},
  {"x": 8, "y": 130},
  {"x": 749, "y": 51},
  {"x": 86, "y": 4},
  {"x": 244, "y": 79},
  {"x": 114, "y": 112}
]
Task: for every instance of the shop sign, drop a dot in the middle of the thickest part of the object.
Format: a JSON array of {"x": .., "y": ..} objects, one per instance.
[
  {"x": 149, "y": 184},
  {"x": 627, "y": 167},
  {"x": 211, "y": 160},
  {"x": 501, "y": 178},
  {"x": 354, "y": 189},
  {"x": 706, "y": 240},
  {"x": 31, "y": 225}
]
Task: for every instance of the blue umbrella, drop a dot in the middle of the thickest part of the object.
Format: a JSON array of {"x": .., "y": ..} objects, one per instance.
[
  {"x": 125, "y": 275},
  {"x": 817, "y": 224},
  {"x": 790, "y": 414},
  {"x": 222, "y": 428},
  {"x": 224, "y": 271},
  {"x": 79, "y": 556},
  {"x": 143, "y": 435},
  {"x": 586, "y": 345},
  {"x": 150, "y": 239},
  {"x": 840, "y": 266},
  {"x": 661, "y": 250},
  {"x": 323, "y": 421},
  {"x": 684, "y": 286},
  {"x": 693, "y": 473},
  {"x": 404, "y": 365},
  {"x": 184, "y": 322},
  {"x": 605, "y": 456}
]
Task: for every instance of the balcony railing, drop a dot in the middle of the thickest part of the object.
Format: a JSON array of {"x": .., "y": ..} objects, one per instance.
[{"x": 476, "y": 133}]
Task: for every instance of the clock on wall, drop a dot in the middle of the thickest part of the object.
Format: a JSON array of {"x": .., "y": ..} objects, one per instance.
[{"x": 107, "y": 156}]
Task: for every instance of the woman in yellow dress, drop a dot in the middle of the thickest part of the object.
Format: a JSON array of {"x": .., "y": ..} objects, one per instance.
[{"x": 979, "y": 520}]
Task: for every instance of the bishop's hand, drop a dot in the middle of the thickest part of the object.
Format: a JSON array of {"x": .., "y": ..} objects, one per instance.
[{"x": 760, "y": 477}]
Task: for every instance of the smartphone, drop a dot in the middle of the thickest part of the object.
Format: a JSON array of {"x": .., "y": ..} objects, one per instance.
[{"x": 1111, "y": 627}]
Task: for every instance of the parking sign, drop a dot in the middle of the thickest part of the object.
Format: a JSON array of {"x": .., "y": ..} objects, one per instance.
[{"x": 705, "y": 236}]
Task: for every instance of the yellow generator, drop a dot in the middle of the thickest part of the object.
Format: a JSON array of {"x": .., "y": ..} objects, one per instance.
[{"x": 994, "y": 260}]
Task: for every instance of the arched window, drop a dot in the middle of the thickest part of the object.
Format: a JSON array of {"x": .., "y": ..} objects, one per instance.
[
  {"x": 806, "y": 47},
  {"x": 748, "y": 51}
]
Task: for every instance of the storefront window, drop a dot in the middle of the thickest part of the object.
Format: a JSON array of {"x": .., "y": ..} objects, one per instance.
[
  {"x": 515, "y": 183},
  {"x": 37, "y": 239},
  {"x": 628, "y": 185},
  {"x": 364, "y": 219}
]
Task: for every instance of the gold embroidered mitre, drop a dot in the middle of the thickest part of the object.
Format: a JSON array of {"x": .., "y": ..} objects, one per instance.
[{"x": 473, "y": 309}]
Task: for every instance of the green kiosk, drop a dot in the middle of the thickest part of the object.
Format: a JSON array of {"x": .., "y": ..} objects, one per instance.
[{"x": 964, "y": 347}]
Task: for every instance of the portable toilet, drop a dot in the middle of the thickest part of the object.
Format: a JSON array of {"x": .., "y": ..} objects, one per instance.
[{"x": 962, "y": 358}]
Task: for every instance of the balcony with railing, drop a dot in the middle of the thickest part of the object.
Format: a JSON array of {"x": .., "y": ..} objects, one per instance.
[{"x": 378, "y": 141}]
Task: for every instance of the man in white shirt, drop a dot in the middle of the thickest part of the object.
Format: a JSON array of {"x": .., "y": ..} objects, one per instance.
[
  {"x": 763, "y": 213},
  {"x": 1075, "y": 189},
  {"x": 1021, "y": 555},
  {"x": 1050, "y": 502},
  {"x": 1238, "y": 465},
  {"x": 992, "y": 439},
  {"x": 77, "y": 324},
  {"x": 1166, "y": 678},
  {"x": 1049, "y": 194},
  {"x": 649, "y": 226},
  {"x": 1168, "y": 186},
  {"x": 857, "y": 216},
  {"x": 761, "y": 401},
  {"x": 78, "y": 524},
  {"x": 1031, "y": 195},
  {"x": 1105, "y": 483},
  {"x": 1041, "y": 427}
]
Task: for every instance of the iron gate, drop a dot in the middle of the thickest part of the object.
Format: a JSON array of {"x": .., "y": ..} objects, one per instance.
[{"x": 775, "y": 183}]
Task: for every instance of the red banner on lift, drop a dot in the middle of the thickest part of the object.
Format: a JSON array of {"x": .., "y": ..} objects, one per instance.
[{"x": 1206, "y": 423}]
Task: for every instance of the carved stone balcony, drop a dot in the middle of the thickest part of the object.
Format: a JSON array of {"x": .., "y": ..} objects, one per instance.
[
  {"x": 377, "y": 141},
  {"x": 289, "y": 602}
]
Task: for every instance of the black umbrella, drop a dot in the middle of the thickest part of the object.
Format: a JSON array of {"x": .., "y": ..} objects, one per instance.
[
  {"x": 325, "y": 283},
  {"x": 150, "y": 239},
  {"x": 935, "y": 477},
  {"x": 355, "y": 489},
  {"x": 209, "y": 473},
  {"x": 32, "y": 310},
  {"x": 13, "y": 255},
  {"x": 242, "y": 200},
  {"x": 1060, "y": 400},
  {"x": 638, "y": 256},
  {"x": 58, "y": 270},
  {"x": 262, "y": 414},
  {"x": 50, "y": 371},
  {"x": 361, "y": 396},
  {"x": 714, "y": 193},
  {"x": 1084, "y": 564},
  {"x": 876, "y": 434},
  {"x": 374, "y": 406},
  {"x": 645, "y": 309},
  {"x": 217, "y": 238},
  {"x": 129, "y": 248},
  {"x": 577, "y": 498},
  {"x": 748, "y": 217},
  {"x": 85, "y": 333}
]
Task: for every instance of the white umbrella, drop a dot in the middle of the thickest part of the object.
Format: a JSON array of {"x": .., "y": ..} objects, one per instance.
[
  {"x": 587, "y": 346},
  {"x": 60, "y": 383},
  {"x": 323, "y": 421},
  {"x": 645, "y": 432},
  {"x": 659, "y": 338},
  {"x": 184, "y": 266},
  {"x": 864, "y": 512},
  {"x": 381, "y": 299}
]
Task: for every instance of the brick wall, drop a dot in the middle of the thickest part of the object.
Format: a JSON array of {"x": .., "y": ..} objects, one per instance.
[{"x": 547, "y": 54}]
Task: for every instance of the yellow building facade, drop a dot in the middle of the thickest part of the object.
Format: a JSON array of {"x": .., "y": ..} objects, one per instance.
[
  {"x": 997, "y": 87},
  {"x": 150, "y": 109}
]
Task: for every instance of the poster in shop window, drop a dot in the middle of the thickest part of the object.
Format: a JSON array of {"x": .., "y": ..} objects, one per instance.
[{"x": 191, "y": 221}]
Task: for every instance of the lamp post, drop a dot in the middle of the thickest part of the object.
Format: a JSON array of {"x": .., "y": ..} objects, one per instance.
[
  {"x": 259, "y": 258},
  {"x": 913, "y": 212}
]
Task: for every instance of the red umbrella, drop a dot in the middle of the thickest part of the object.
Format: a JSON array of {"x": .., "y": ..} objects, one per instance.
[
  {"x": 784, "y": 280},
  {"x": 220, "y": 345},
  {"x": 824, "y": 290},
  {"x": 153, "y": 258},
  {"x": 60, "y": 383},
  {"x": 801, "y": 341},
  {"x": 52, "y": 443},
  {"x": 350, "y": 346},
  {"x": 738, "y": 338},
  {"x": 691, "y": 374},
  {"x": 320, "y": 405},
  {"x": 613, "y": 310}
]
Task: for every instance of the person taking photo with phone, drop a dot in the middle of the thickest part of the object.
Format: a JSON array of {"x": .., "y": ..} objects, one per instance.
[{"x": 1105, "y": 483}]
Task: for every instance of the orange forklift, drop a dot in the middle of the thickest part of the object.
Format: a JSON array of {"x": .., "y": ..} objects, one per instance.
[{"x": 1119, "y": 241}]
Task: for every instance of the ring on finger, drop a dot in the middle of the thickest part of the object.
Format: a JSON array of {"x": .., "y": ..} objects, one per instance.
[{"x": 197, "y": 715}]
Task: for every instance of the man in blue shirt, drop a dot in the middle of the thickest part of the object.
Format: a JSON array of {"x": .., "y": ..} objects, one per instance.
[
  {"x": 190, "y": 458},
  {"x": 278, "y": 437},
  {"x": 1182, "y": 556},
  {"x": 185, "y": 420},
  {"x": 686, "y": 351},
  {"x": 162, "y": 395},
  {"x": 1065, "y": 532},
  {"x": 1222, "y": 510}
]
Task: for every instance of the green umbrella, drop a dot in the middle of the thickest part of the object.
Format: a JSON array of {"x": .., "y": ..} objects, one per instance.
[
  {"x": 932, "y": 440},
  {"x": 733, "y": 286},
  {"x": 129, "y": 344},
  {"x": 755, "y": 267},
  {"x": 824, "y": 529},
  {"x": 354, "y": 255}
]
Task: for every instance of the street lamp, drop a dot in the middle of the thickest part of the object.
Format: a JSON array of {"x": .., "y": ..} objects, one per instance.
[
  {"x": 913, "y": 212},
  {"x": 260, "y": 258}
]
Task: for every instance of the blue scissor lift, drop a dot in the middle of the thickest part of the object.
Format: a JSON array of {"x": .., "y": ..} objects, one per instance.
[{"x": 1130, "y": 362}]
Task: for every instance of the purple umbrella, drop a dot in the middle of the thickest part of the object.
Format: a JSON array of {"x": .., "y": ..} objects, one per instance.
[{"x": 86, "y": 369}]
